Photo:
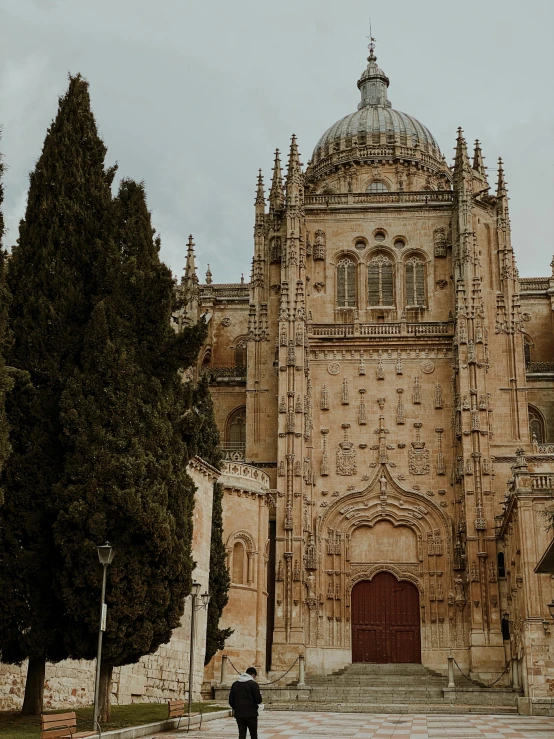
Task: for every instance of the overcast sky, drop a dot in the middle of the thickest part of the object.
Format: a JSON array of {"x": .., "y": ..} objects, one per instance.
[{"x": 193, "y": 96}]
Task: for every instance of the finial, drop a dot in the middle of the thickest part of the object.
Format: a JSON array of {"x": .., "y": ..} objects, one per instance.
[
  {"x": 276, "y": 199},
  {"x": 208, "y": 276},
  {"x": 242, "y": 279},
  {"x": 371, "y": 45},
  {"x": 190, "y": 265},
  {"x": 501, "y": 184},
  {"x": 260, "y": 197}
]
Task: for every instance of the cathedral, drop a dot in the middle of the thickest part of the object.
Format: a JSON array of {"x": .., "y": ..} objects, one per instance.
[{"x": 384, "y": 391}]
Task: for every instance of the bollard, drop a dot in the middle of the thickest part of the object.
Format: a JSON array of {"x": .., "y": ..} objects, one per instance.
[
  {"x": 451, "y": 683},
  {"x": 301, "y": 670},
  {"x": 223, "y": 669}
]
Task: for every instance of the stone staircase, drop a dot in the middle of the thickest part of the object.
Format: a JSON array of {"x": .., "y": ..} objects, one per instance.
[{"x": 395, "y": 688}]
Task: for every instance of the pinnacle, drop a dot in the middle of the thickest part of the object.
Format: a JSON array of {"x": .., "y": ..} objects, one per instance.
[{"x": 260, "y": 196}]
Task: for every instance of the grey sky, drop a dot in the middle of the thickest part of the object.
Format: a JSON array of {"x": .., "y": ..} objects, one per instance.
[{"x": 193, "y": 96}]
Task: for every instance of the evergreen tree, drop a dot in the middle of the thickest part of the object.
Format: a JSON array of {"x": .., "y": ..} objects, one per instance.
[
  {"x": 5, "y": 339},
  {"x": 125, "y": 477},
  {"x": 55, "y": 275},
  {"x": 219, "y": 581}
]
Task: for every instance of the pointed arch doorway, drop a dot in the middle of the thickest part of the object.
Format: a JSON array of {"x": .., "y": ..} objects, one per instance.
[{"x": 385, "y": 620}]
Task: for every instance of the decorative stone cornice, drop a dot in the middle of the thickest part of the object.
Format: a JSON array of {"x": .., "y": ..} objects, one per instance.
[
  {"x": 198, "y": 464},
  {"x": 244, "y": 477}
]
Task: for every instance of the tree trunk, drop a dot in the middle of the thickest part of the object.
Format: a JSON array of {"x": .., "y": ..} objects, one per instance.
[
  {"x": 34, "y": 686},
  {"x": 104, "y": 694}
]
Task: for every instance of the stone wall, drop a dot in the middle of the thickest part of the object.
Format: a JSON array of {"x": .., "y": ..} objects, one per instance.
[{"x": 156, "y": 677}]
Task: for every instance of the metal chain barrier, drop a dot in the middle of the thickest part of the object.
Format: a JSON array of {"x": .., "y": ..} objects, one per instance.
[
  {"x": 477, "y": 685},
  {"x": 271, "y": 681}
]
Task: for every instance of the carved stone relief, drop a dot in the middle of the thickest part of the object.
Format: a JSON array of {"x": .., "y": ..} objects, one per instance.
[
  {"x": 346, "y": 455},
  {"x": 418, "y": 456}
]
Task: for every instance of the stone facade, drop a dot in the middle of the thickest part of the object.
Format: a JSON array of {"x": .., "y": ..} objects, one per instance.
[
  {"x": 395, "y": 362},
  {"x": 156, "y": 677}
]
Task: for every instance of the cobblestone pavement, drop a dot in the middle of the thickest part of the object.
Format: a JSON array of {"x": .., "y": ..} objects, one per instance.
[{"x": 295, "y": 725}]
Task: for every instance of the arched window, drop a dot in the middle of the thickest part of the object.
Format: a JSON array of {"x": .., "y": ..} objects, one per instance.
[
  {"x": 236, "y": 428},
  {"x": 240, "y": 353},
  {"x": 237, "y": 575},
  {"x": 415, "y": 282},
  {"x": 346, "y": 283},
  {"x": 380, "y": 286},
  {"x": 377, "y": 186},
  {"x": 536, "y": 426},
  {"x": 527, "y": 351}
]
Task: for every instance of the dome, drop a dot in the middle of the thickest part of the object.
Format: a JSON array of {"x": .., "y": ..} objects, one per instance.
[
  {"x": 370, "y": 120},
  {"x": 376, "y": 130}
]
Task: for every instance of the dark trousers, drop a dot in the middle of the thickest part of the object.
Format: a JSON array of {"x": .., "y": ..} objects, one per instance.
[{"x": 248, "y": 723}]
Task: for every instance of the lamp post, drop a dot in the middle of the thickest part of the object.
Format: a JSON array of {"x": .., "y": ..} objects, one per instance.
[
  {"x": 105, "y": 555},
  {"x": 194, "y": 592}
]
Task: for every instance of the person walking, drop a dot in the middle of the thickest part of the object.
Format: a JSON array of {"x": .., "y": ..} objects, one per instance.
[{"x": 244, "y": 699}]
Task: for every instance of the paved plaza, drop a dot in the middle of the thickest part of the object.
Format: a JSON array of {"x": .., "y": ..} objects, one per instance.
[{"x": 294, "y": 725}]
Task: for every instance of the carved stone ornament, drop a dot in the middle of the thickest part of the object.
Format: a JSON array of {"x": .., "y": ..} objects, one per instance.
[
  {"x": 427, "y": 366},
  {"x": 333, "y": 368},
  {"x": 418, "y": 456},
  {"x": 346, "y": 455},
  {"x": 226, "y": 321}
]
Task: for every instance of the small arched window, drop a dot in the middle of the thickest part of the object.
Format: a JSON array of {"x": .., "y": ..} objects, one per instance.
[
  {"x": 346, "y": 283},
  {"x": 236, "y": 428},
  {"x": 238, "y": 563},
  {"x": 380, "y": 288},
  {"x": 527, "y": 351},
  {"x": 377, "y": 186},
  {"x": 536, "y": 426},
  {"x": 415, "y": 282},
  {"x": 240, "y": 353}
]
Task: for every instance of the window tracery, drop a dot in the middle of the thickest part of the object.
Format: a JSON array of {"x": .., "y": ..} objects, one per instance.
[
  {"x": 380, "y": 281},
  {"x": 536, "y": 426},
  {"x": 236, "y": 427},
  {"x": 346, "y": 283},
  {"x": 377, "y": 186},
  {"x": 415, "y": 282}
]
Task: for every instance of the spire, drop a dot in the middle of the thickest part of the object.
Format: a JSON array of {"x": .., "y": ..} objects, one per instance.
[
  {"x": 462, "y": 167},
  {"x": 294, "y": 159},
  {"x": 478, "y": 163},
  {"x": 190, "y": 266},
  {"x": 260, "y": 197},
  {"x": 501, "y": 190},
  {"x": 276, "y": 197},
  {"x": 208, "y": 276},
  {"x": 374, "y": 82}
]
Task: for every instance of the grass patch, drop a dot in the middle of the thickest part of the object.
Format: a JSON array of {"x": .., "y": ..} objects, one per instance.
[{"x": 15, "y": 726}]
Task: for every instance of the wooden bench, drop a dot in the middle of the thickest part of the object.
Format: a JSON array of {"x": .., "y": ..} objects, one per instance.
[
  {"x": 61, "y": 726},
  {"x": 178, "y": 709}
]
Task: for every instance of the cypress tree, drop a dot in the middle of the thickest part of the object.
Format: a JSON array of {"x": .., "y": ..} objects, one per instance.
[
  {"x": 5, "y": 339},
  {"x": 125, "y": 480},
  {"x": 219, "y": 581},
  {"x": 55, "y": 275}
]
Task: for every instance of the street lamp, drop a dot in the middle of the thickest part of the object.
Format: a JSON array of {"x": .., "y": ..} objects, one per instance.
[
  {"x": 551, "y": 608},
  {"x": 205, "y": 597},
  {"x": 105, "y": 555}
]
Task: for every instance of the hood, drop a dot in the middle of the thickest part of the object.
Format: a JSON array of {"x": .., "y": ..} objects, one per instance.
[{"x": 245, "y": 677}]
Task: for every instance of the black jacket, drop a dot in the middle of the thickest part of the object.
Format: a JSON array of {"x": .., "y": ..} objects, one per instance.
[{"x": 245, "y": 698}]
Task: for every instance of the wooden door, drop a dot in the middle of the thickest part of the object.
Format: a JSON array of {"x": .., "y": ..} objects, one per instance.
[{"x": 385, "y": 621}]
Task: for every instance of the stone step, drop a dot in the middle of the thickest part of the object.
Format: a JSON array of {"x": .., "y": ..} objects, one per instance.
[{"x": 447, "y": 708}]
